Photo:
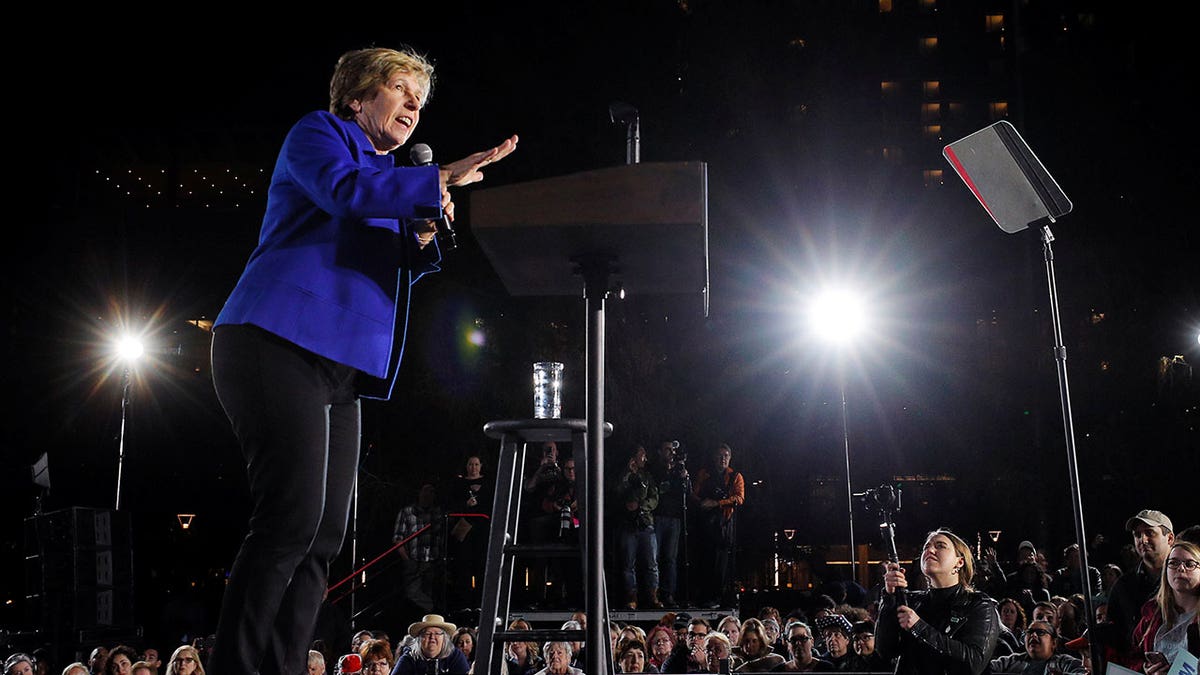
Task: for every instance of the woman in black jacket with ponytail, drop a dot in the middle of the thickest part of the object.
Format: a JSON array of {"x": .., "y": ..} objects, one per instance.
[{"x": 950, "y": 629}]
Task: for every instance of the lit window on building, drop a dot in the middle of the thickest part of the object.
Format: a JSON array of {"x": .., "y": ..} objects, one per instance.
[
  {"x": 892, "y": 153},
  {"x": 931, "y": 112},
  {"x": 933, "y": 131},
  {"x": 933, "y": 177},
  {"x": 928, "y": 45},
  {"x": 998, "y": 109},
  {"x": 885, "y": 6},
  {"x": 932, "y": 88},
  {"x": 928, "y": 5},
  {"x": 993, "y": 23},
  {"x": 889, "y": 88}
]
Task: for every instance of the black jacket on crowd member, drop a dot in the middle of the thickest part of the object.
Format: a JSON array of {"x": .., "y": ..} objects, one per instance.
[
  {"x": 678, "y": 661},
  {"x": 956, "y": 635},
  {"x": 1125, "y": 600}
]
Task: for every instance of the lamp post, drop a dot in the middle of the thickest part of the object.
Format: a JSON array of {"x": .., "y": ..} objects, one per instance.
[
  {"x": 837, "y": 317},
  {"x": 129, "y": 350}
]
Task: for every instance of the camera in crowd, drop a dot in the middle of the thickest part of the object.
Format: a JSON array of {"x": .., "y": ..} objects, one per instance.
[
  {"x": 884, "y": 498},
  {"x": 679, "y": 456}
]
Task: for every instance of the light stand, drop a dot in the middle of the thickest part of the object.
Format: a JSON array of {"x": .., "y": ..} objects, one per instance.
[
  {"x": 849, "y": 491},
  {"x": 126, "y": 381},
  {"x": 354, "y": 548},
  {"x": 837, "y": 316},
  {"x": 1060, "y": 359}
]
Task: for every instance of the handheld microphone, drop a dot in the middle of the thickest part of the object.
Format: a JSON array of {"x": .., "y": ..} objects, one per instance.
[
  {"x": 350, "y": 663},
  {"x": 422, "y": 155}
]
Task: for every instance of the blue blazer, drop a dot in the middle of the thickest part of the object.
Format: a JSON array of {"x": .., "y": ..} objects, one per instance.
[{"x": 336, "y": 257}]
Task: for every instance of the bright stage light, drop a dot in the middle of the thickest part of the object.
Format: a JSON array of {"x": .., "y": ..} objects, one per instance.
[
  {"x": 838, "y": 316},
  {"x": 130, "y": 348}
]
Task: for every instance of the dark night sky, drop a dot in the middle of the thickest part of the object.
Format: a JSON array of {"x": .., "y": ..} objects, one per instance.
[{"x": 791, "y": 203}]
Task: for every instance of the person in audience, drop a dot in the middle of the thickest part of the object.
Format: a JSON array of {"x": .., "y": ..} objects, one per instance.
[
  {"x": 1153, "y": 534},
  {"x": 630, "y": 657},
  {"x": 434, "y": 651},
  {"x": 1169, "y": 621},
  {"x": 1108, "y": 576},
  {"x": 120, "y": 660},
  {"x": 472, "y": 492},
  {"x": 98, "y": 661},
  {"x": 1040, "y": 655},
  {"x": 1012, "y": 623},
  {"x": 718, "y": 654},
  {"x": 661, "y": 643},
  {"x": 185, "y": 660},
  {"x": 578, "y": 651},
  {"x": 377, "y": 657},
  {"x": 732, "y": 628},
  {"x": 720, "y": 492},
  {"x": 689, "y": 655},
  {"x": 768, "y": 612},
  {"x": 1071, "y": 623},
  {"x": 1068, "y": 580},
  {"x": 558, "y": 660},
  {"x": 76, "y": 668},
  {"x": 521, "y": 658},
  {"x": 756, "y": 649},
  {"x": 383, "y": 636},
  {"x": 150, "y": 656},
  {"x": 866, "y": 659},
  {"x": 800, "y": 645},
  {"x": 836, "y": 629},
  {"x": 950, "y": 628},
  {"x": 1046, "y": 611},
  {"x": 637, "y": 492},
  {"x": 316, "y": 662},
  {"x": 1029, "y": 584},
  {"x": 141, "y": 668},
  {"x": 464, "y": 639},
  {"x": 19, "y": 664},
  {"x": 419, "y": 524},
  {"x": 771, "y": 628},
  {"x": 359, "y": 638}
]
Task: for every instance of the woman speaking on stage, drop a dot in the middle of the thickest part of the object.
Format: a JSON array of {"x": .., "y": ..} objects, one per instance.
[{"x": 317, "y": 320}]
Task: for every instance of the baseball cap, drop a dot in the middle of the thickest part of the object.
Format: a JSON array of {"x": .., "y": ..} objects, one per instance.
[
  {"x": 1150, "y": 517},
  {"x": 1027, "y": 544}
]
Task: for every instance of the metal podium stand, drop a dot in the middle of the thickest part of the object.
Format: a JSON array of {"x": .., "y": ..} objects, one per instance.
[{"x": 643, "y": 227}]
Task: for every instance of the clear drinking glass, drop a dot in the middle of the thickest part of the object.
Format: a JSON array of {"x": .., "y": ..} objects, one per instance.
[{"x": 547, "y": 390}]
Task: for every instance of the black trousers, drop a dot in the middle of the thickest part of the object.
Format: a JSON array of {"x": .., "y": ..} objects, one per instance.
[{"x": 297, "y": 420}]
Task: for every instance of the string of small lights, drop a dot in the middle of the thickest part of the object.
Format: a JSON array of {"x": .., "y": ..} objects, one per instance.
[{"x": 210, "y": 187}]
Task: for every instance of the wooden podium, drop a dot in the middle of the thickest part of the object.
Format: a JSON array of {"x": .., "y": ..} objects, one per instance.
[{"x": 640, "y": 227}]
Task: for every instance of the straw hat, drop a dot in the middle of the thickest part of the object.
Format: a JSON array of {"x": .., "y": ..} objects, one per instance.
[{"x": 431, "y": 621}]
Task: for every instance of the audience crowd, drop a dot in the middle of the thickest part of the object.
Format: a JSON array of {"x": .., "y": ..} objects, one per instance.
[{"x": 1024, "y": 615}]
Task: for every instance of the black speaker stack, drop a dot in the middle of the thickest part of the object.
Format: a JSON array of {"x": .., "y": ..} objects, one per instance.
[{"x": 79, "y": 577}]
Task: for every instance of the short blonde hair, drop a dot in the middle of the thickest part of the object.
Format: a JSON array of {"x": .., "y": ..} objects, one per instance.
[{"x": 360, "y": 72}]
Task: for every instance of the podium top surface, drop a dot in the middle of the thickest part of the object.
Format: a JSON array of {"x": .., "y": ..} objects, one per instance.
[{"x": 649, "y": 220}]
